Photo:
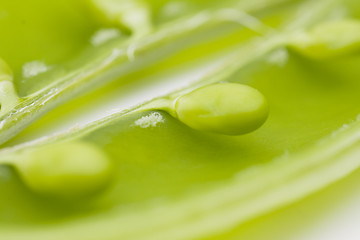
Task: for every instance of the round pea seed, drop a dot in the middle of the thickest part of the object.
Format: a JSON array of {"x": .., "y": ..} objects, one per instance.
[
  {"x": 70, "y": 169},
  {"x": 224, "y": 108},
  {"x": 328, "y": 40}
]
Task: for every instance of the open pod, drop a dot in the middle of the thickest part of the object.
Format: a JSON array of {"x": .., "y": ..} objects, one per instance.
[{"x": 171, "y": 180}]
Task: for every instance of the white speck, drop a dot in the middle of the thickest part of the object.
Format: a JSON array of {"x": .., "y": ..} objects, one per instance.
[
  {"x": 104, "y": 35},
  {"x": 2, "y": 123},
  {"x": 279, "y": 57},
  {"x": 150, "y": 120},
  {"x": 34, "y": 68}
]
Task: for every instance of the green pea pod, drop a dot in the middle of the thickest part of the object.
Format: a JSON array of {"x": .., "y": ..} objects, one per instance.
[
  {"x": 172, "y": 175},
  {"x": 173, "y": 181},
  {"x": 174, "y": 178},
  {"x": 328, "y": 40},
  {"x": 42, "y": 83}
]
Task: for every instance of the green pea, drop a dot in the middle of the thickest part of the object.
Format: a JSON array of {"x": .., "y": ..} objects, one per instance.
[
  {"x": 225, "y": 108},
  {"x": 330, "y": 39},
  {"x": 71, "y": 169}
]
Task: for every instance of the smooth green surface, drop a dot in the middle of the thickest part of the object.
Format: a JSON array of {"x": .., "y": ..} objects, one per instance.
[
  {"x": 70, "y": 169},
  {"x": 48, "y": 31},
  {"x": 45, "y": 85},
  {"x": 58, "y": 34},
  {"x": 166, "y": 162},
  {"x": 330, "y": 39},
  {"x": 145, "y": 170},
  {"x": 300, "y": 217},
  {"x": 225, "y": 108}
]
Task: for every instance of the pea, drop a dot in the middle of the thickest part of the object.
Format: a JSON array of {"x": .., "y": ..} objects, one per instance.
[
  {"x": 329, "y": 39},
  {"x": 70, "y": 169},
  {"x": 224, "y": 108}
]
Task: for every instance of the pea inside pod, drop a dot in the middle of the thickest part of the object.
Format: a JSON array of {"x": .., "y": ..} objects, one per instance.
[
  {"x": 70, "y": 169},
  {"x": 223, "y": 108},
  {"x": 328, "y": 40}
]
